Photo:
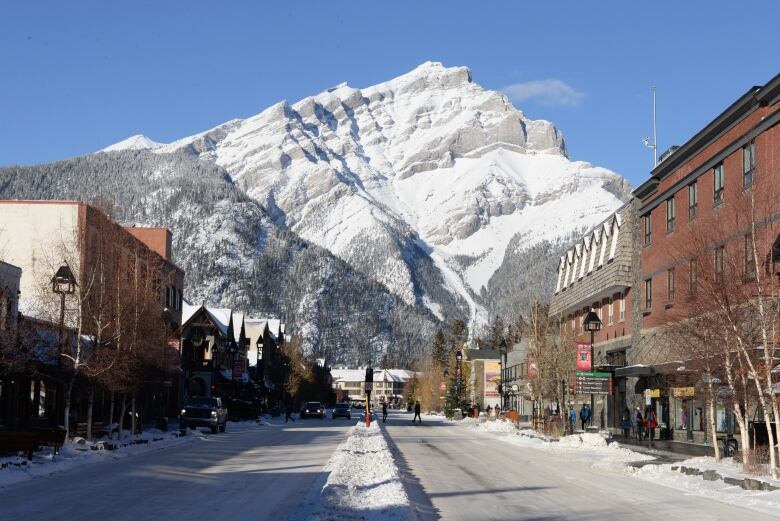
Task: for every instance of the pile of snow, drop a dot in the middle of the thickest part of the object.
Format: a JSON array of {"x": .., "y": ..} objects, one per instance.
[
  {"x": 363, "y": 482},
  {"x": 587, "y": 440},
  {"x": 78, "y": 452}
]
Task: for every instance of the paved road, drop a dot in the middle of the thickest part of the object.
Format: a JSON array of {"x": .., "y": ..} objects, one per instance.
[
  {"x": 468, "y": 475},
  {"x": 253, "y": 474}
]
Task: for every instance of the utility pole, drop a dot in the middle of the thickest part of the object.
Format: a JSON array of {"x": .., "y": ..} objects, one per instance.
[{"x": 646, "y": 140}]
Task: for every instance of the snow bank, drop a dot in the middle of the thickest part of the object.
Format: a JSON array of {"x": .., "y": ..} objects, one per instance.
[
  {"x": 718, "y": 490},
  {"x": 363, "y": 482},
  {"x": 78, "y": 452},
  {"x": 589, "y": 447},
  {"x": 592, "y": 448}
]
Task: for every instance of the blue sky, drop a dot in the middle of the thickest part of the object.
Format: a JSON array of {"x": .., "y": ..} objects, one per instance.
[{"x": 78, "y": 76}]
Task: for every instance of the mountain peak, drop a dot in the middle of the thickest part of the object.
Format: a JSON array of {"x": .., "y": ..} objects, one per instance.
[{"x": 136, "y": 142}]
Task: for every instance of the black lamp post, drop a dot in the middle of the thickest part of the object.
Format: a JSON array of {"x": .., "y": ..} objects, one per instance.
[
  {"x": 503, "y": 348},
  {"x": 592, "y": 323},
  {"x": 458, "y": 374},
  {"x": 63, "y": 283}
]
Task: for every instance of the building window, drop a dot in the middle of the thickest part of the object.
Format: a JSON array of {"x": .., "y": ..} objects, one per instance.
[
  {"x": 750, "y": 261},
  {"x": 611, "y": 314},
  {"x": 748, "y": 164},
  {"x": 648, "y": 230},
  {"x": 693, "y": 200},
  {"x": 717, "y": 197},
  {"x": 670, "y": 284},
  {"x": 648, "y": 293},
  {"x": 622, "y": 306},
  {"x": 693, "y": 275},
  {"x": 670, "y": 215},
  {"x": 719, "y": 254}
]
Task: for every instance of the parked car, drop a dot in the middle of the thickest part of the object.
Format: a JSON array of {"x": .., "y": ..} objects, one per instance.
[
  {"x": 313, "y": 410},
  {"x": 341, "y": 410},
  {"x": 204, "y": 411}
]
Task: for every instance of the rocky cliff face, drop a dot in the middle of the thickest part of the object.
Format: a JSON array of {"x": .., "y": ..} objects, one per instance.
[
  {"x": 363, "y": 215},
  {"x": 422, "y": 182}
]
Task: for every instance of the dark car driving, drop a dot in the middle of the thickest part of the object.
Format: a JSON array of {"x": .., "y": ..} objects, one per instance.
[
  {"x": 313, "y": 410},
  {"x": 341, "y": 410},
  {"x": 204, "y": 411}
]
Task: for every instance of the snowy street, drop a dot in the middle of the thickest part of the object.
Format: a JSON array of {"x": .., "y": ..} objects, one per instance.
[
  {"x": 255, "y": 472},
  {"x": 469, "y": 474}
]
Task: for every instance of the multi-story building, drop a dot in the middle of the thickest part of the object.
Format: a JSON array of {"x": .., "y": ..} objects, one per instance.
[
  {"x": 599, "y": 273},
  {"x": 696, "y": 212},
  {"x": 107, "y": 269}
]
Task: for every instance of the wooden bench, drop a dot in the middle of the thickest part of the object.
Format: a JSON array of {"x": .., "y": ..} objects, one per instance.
[
  {"x": 15, "y": 442},
  {"x": 81, "y": 429},
  {"x": 50, "y": 437},
  {"x": 29, "y": 441}
]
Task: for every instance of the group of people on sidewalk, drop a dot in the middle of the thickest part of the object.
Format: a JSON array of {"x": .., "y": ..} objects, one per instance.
[
  {"x": 639, "y": 426},
  {"x": 633, "y": 422}
]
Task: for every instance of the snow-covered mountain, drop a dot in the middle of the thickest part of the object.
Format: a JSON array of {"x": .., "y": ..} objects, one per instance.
[
  {"x": 137, "y": 142},
  {"x": 428, "y": 183}
]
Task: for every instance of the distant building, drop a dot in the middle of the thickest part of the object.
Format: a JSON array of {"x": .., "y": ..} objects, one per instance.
[
  {"x": 485, "y": 376},
  {"x": 349, "y": 384}
]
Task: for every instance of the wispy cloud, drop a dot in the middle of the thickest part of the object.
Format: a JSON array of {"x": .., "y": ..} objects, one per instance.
[{"x": 551, "y": 92}]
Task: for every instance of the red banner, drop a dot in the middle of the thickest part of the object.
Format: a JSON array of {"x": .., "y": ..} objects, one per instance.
[
  {"x": 533, "y": 369},
  {"x": 583, "y": 356}
]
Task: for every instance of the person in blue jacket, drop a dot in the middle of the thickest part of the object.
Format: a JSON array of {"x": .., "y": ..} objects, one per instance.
[
  {"x": 585, "y": 415},
  {"x": 572, "y": 418}
]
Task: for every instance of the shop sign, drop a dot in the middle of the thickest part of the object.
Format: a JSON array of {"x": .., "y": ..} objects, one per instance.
[
  {"x": 648, "y": 397},
  {"x": 583, "y": 356},
  {"x": 683, "y": 392},
  {"x": 591, "y": 382},
  {"x": 655, "y": 393}
]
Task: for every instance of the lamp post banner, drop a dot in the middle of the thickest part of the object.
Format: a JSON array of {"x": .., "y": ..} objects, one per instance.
[{"x": 583, "y": 356}]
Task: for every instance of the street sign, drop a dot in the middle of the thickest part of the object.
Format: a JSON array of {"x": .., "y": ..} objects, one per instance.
[{"x": 591, "y": 382}]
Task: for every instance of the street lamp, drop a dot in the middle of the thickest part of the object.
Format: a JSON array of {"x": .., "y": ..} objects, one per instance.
[
  {"x": 63, "y": 283},
  {"x": 458, "y": 374},
  {"x": 591, "y": 323}
]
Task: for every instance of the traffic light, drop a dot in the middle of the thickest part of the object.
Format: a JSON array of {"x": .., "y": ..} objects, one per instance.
[{"x": 369, "y": 374}]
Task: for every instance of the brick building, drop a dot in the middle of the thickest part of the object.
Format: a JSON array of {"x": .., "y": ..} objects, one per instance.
[
  {"x": 705, "y": 188},
  {"x": 112, "y": 266}
]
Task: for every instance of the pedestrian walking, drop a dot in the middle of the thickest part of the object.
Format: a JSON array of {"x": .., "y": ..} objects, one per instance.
[
  {"x": 640, "y": 425},
  {"x": 288, "y": 413},
  {"x": 417, "y": 411},
  {"x": 584, "y": 415},
  {"x": 651, "y": 422},
  {"x": 384, "y": 412},
  {"x": 572, "y": 418},
  {"x": 633, "y": 421},
  {"x": 625, "y": 423}
]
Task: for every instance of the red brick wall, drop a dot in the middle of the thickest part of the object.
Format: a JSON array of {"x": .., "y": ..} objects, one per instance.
[{"x": 668, "y": 249}]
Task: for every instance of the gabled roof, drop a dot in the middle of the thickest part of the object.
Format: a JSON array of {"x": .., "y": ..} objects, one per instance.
[
  {"x": 188, "y": 311},
  {"x": 221, "y": 317}
]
